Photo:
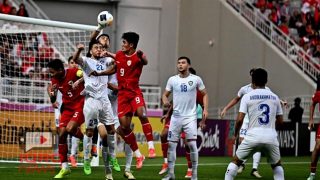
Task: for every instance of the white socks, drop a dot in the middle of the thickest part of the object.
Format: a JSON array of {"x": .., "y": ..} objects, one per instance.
[
  {"x": 256, "y": 160},
  {"x": 231, "y": 171},
  {"x": 172, "y": 156},
  {"x": 87, "y": 142},
  {"x": 129, "y": 155},
  {"x": 278, "y": 173},
  {"x": 194, "y": 158}
]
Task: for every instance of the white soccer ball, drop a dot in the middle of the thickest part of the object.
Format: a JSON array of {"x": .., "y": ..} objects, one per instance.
[{"x": 105, "y": 18}]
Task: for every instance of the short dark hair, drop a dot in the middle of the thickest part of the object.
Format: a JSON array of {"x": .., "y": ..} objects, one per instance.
[
  {"x": 297, "y": 100},
  {"x": 251, "y": 71},
  {"x": 56, "y": 64},
  {"x": 107, "y": 35},
  {"x": 185, "y": 57},
  {"x": 131, "y": 37},
  {"x": 259, "y": 77},
  {"x": 91, "y": 43},
  {"x": 70, "y": 58},
  {"x": 192, "y": 71}
]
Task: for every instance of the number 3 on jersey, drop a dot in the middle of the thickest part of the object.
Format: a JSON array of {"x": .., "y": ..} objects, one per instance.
[{"x": 264, "y": 118}]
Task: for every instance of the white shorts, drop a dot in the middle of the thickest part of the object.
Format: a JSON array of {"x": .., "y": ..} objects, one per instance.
[
  {"x": 247, "y": 148},
  {"x": 97, "y": 109},
  {"x": 57, "y": 116},
  {"x": 182, "y": 124},
  {"x": 244, "y": 129}
]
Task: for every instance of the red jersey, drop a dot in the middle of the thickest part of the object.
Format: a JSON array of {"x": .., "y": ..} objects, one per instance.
[
  {"x": 71, "y": 98},
  {"x": 129, "y": 69}
]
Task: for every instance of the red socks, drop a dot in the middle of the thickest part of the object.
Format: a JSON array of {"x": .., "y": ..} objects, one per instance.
[{"x": 147, "y": 130}]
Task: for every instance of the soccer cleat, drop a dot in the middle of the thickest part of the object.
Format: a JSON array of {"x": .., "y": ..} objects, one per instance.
[
  {"x": 188, "y": 175},
  {"x": 241, "y": 168},
  {"x": 164, "y": 168},
  {"x": 115, "y": 164},
  {"x": 129, "y": 175},
  {"x": 169, "y": 177},
  {"x": 87, "y": 167},
  {"x": 139, "y": 162},
  {"x": 94, "y": 151},
  {"x": 311, "y": 177},
  {"x": 73, "y": 161},
  {"x": 62, "y": 173},
  {"x": 255, "y": 173},
  {"x": 152, "y": 153},
  {"x": 109, "y": 177}
]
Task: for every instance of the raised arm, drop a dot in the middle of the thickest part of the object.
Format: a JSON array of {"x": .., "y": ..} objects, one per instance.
[
  {"x": 76, "y": 55},
  {"x": 229, "y": 105}
]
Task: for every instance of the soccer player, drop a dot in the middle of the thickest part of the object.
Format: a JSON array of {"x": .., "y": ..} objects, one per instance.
[
  {"x": 97, "y": 104},
  {"x": 315, "y": 152},
  {"x": 257, "y": 155},
  {"x": 184, "y": 88},
  {"x": 164, "y": 135},
  {"x": 264, "y": 111},
  {"x": 104, "y": 39},
  {"x": 71, "y": 109},
  {"x": 128, "y": 65}
]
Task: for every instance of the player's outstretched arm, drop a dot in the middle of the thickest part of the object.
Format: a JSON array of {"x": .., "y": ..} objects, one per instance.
[
  {"x": 311, "y": 122},
  {"x": 76, "y": 55},
  {"x": 112, "y": 86},
  {"x": 109, "y": 71},
  {"x": 233, "y": 102},
  {"x": 142, "y": 57},
  {"x": 95, "y": 33},
  {"x": 108, "y": 54}
]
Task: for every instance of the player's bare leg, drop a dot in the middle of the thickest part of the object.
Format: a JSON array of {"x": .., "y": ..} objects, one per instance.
[
  {"x": 314, "y": 160},
  {"x": 147, "y": 130},
  {"x": 164, "y": 147},
  {"x": 63, "y": 150},
  {"x": 129, "y": 137}
]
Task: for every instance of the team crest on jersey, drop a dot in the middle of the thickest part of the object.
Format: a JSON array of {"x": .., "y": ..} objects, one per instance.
[
  {"x": 129, "y": 62},
  {"x": 190, "y": 83}
]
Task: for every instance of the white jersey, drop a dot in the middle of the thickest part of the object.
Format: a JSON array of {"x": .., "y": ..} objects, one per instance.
[
  {"x": 184, "y": 91},
  {"x": 245, "y": 90},
  {"x": 95, "y": 85},
  {"x": 262, "y": 107}
]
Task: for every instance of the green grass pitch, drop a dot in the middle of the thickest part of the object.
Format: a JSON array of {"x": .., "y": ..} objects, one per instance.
[{"x": 212, "y": 168}]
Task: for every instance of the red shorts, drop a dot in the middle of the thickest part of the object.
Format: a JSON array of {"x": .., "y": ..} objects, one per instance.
[
  {"x": 129, "y": 101},
  {"x": 316, "y": 98},
  {"x": 71, "y": 115}
]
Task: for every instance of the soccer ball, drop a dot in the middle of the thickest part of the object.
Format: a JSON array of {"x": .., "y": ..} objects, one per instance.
[{"x": 105, "y": 18}]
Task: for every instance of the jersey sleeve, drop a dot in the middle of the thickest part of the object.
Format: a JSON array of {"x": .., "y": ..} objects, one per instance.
[
  {"x": 244, "y": 105},
  {"x": 169, "y": 84},
  {"x": 200, "y": 84},
  {"x": 241, "y": 92}
]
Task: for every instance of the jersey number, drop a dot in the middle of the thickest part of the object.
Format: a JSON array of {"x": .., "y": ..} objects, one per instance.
[
  {"x": 121, "y": 72},
  {"x": 264, "y": 119},
  {"x": 70, "y": 94},
  {"x": 184, "y": 88},
  {"x": 99, "y": 67}
]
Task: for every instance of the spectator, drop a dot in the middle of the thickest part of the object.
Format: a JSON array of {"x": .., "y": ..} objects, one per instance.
[
  {"x": 5, "y": 7},
  {"x": 22, "y": 11},
  {"x": 295, "y": 113},
  {"x": 283, "y": 25},
  {"x": 13, "y": 11}
]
